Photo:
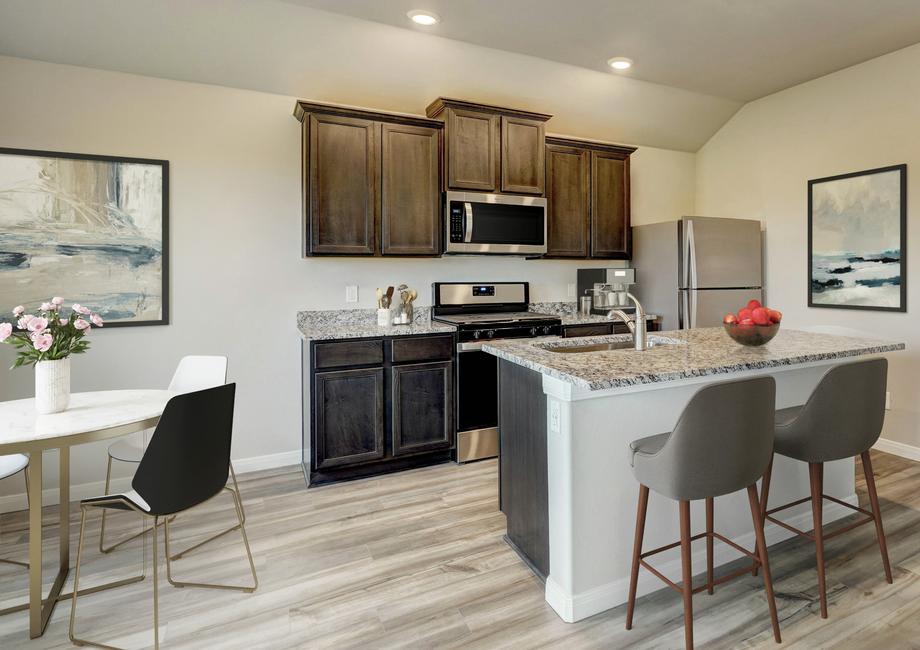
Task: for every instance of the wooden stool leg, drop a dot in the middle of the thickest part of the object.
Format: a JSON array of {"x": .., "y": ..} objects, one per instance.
[
  {"x": 686, "y": 572},
  {"x": 764, "y": 495},
  {"x": 637, "y": 553},
  {"x": 817, "y": 504},
  {"x": 756, "y": 516},
  {"x": 710, "y": 515},
  {"x": 876, "y": 513}
]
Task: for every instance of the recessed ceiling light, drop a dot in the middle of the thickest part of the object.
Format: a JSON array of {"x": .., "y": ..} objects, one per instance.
[
  {"x": 620, "y": 63},
  {"x": 420, "y": 17}
]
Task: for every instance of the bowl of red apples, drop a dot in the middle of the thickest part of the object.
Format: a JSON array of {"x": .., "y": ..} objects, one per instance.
[{"x": 753, "y": 325}]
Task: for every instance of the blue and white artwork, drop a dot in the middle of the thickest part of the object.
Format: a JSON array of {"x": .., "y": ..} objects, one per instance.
[
  {"x": 92, "y": 229},
  {"x": 857, "y": 234}
]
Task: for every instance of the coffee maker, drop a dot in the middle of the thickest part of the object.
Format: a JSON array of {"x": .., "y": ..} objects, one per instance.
[{"x": 607, "y": 288}]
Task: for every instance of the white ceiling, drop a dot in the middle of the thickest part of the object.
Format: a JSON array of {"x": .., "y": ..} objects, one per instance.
[{"x": 737, "y": 49}]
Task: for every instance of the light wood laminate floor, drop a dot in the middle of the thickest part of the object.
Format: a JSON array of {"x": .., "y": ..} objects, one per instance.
[{"x": 417, "y": 560}]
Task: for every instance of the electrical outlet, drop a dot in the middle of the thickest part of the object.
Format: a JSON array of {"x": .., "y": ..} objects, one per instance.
[
  {"x": 887, "y": 401},
  {"x": 555, "y": 417},
  {"x": 570, "y": 290},
  {"x": 351, "y": 293}
]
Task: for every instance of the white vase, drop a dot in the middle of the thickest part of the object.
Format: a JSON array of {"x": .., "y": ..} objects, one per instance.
[{"x": 52, "y": 386}]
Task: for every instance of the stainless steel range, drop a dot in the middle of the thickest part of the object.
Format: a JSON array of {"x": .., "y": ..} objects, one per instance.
[{"x": 482, "y": 312}]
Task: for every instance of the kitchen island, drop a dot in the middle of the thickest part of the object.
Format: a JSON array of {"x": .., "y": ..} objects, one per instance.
[{"x": 566, "y": 420}]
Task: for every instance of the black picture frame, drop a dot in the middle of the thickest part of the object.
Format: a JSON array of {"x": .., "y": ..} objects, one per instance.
[
  {"x": 164, "y": 165},
  {"x": 902, "y": 168}
]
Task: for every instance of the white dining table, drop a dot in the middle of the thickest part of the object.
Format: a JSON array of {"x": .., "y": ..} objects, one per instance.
[{"x": 90, "y": 417}]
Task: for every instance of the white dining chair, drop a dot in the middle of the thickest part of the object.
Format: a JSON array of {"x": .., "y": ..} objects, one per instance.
[
  {"x": 193, "y": 373},
  {"x": 10, "y": 465}
]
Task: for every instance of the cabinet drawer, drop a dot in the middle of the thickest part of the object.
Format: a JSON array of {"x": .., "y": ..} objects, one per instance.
[
  {"x": 342, "y": 354},
  {"x": 587, "y": 330},
  {"x": 428, "y": 348}
]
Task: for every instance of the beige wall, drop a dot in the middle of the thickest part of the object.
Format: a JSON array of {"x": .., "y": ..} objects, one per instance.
[
  {"x": 757, "y": 166},
  {"x": 237, "y": 278}
]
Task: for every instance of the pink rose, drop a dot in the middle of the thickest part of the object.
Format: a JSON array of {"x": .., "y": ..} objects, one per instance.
[
  {"x": 81, "y": 324},
  {"x": 97, "y": 320},
  {"x": 64, "y": 321},
  {"x": 37, "y": 324},
  {"x": 42, "y": 342},
  {"x": 80, "y": 309},
  {"x": 57, "y": 300},
  {"x": 23, "y": 322},
  {"x": 17, "y": 311},
  {"x": 5, "y": 330},
  {"x": 47, "y": 306}
]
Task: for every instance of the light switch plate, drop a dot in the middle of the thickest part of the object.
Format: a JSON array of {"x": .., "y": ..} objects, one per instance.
[
  {"x": 351, "y": 293},
  {"x": 570, "y": 290}
]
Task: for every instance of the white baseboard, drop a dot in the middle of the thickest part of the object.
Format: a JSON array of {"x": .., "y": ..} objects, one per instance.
[
  {"x": 14, "y": 502},
  {"x": 575, "y": 607},
  {"x": 898, "y": 449}
]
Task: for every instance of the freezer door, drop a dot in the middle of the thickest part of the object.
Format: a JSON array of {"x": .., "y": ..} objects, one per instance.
[
  {"x": 720, "y": 253},
  {"x": 706, "y": 307}
]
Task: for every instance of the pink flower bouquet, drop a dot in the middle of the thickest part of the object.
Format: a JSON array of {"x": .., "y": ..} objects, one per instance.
[{"x": 47, "y": 336}]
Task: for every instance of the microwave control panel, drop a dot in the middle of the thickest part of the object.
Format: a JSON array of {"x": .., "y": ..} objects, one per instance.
[{"x": 456, "y": 221}]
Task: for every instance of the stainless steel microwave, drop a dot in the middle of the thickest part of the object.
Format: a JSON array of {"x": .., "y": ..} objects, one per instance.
[{"x": 497, "y": 224}]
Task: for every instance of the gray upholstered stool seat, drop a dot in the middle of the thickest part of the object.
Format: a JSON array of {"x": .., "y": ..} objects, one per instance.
[
  {"x": 842, "y": 418},
  {"x": 722, "y": 443}
]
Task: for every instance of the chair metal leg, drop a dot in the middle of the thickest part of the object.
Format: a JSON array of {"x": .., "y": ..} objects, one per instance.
[
  {"x": 817, "y": 505},
  {"x": 252, "y": 566},
  {"x": 637, "y": 554},
  {"x": 236, "y": 490},
  {"x": 156, "y": 580},
  {"x": 710, "y": 516},
  {"x": 757, "y": 519},
  {"x": 764, "y": 495},
  {"x": 876, "y": 513},
  {"x": 686, "y": 573}
]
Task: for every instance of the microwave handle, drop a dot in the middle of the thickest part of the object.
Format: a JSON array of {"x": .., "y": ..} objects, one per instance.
[{"x": 468, "y": 222}]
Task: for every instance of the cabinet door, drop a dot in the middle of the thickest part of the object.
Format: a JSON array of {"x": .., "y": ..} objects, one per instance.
[
  {"x": 422, "y": 407},
  {"x": 349, "y": 417},
  {"x": 522, "y": 155},
  {"x": 472, "y": 150},
  {"x": 410, "y": 211},
  {"x": 567, "y": 200},
  {"x": 610, "y": 232},
  {"x": 344, "y": 189}
]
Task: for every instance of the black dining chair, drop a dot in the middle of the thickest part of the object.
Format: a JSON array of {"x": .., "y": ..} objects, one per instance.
[{"x": 186, "y": 463}]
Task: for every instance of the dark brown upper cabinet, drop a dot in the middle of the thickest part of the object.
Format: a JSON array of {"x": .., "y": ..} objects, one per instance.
[
  {"x": 490, "y": 148},
  {"x": 371, "y": 182},
  {"x": 568, "y": 200},
  {"x": 588, "y": 213},
  {"x": 411, "y": 198}
]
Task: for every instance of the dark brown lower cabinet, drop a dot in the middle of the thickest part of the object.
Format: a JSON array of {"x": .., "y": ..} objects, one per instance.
[
  {"x": 377, "y": 405},
  {"x": 421, "y": 395}
]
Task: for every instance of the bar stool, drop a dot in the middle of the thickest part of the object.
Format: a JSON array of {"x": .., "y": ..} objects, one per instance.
[
  {"x": 722, "y": 443},
  {"x": 842, "y": 419}
]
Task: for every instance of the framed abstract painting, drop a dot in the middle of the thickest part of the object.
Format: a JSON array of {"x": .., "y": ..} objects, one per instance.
[
  {"x": 94, "y": 229},
  {"x": 857, "y": 240}
]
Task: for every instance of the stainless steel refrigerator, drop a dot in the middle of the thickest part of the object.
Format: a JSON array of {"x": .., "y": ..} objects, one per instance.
[{"x": 695, "y": 270}]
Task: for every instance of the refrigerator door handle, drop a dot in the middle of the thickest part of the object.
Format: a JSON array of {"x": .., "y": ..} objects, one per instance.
[{"x": 691, "y": 256}]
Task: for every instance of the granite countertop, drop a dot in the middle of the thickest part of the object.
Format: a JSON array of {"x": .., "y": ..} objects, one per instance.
[
  {"x": 568, "y": 311},
  {"x": 694, "y": 353},
  {"x": 362, "y": 323}
]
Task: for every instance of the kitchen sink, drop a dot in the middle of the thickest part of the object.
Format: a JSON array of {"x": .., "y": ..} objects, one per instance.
[{"x": 606, "y": 346}]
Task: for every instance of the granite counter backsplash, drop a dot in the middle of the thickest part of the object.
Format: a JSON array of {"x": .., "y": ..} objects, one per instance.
[
  {"x": 568, "y": 311},
  {"x": 684, "y": 354},
  {"x": 362, "y": 323}
]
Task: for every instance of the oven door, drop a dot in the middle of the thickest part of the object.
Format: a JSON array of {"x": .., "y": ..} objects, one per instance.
[
  {"x": 495, "y": 224},
  {"x": 477, "y": 403}
]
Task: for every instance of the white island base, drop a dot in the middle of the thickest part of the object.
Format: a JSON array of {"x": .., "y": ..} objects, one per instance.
[{"x": 592, "y": 494}]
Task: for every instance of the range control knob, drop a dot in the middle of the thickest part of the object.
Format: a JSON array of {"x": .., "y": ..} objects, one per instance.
[
  {"x": 490, "y": 333},
  {"x": 547, "y": 329},
  {"x": 477, "y": 334},
  {"x": 534, "y": 331}
]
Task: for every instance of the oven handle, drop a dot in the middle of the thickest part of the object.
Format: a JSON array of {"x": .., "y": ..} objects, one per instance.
[{"x": 476, "y": 346}]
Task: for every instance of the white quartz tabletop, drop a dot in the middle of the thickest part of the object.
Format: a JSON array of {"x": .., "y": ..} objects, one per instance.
[
  {"x": 88, "y": 412},
  {"x": 693, "y": 353}
]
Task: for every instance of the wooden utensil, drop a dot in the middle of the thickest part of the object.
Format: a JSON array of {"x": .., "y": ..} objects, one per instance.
[
  {"x": 379, "y": 298},
  {"x": 389, "y": 300}
]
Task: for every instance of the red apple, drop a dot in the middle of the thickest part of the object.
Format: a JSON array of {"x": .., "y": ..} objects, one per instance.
[
  {"x": 730, "y": 319},
  {"x": 760, "y": 316},
  {"x": 745, "y": 313},
  {"x": 753, "y": 304},
  {"x": 775, "y": 316},
  {"x": 746, "y": 322}
]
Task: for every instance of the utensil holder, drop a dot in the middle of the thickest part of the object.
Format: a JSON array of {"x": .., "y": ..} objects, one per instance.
[{"x": 384, "y": 318}]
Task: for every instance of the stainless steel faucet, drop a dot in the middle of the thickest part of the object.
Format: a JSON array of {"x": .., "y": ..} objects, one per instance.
[{"x": 636, "y": 325}]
